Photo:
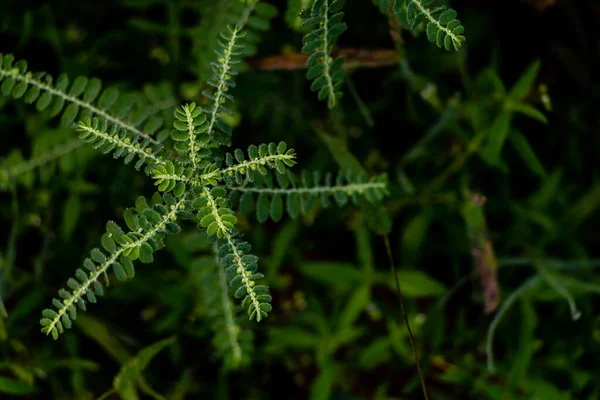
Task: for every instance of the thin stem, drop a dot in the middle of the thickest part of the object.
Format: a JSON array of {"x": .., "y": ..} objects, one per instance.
[{"x": 410, "y": 335}]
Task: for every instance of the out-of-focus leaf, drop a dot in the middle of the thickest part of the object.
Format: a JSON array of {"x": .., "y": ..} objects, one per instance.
[
  {"x": 10, "y": 386},
  {"x": 497, "y": 136},
  {"x": 414, "y": 283},
  {"x": 132, "y": 369},
  {"x": 332, "y": 273},
  {"x": 522, "y": 147},
  {"x": 525, "y": 82},
  {"x": 357, "y": 303}
]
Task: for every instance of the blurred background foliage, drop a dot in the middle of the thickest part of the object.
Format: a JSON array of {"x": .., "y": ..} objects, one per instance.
[{"x": 493, "y": 213}]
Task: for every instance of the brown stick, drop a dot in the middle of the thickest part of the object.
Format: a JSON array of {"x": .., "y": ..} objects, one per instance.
[{"x": 354, "y": 58}]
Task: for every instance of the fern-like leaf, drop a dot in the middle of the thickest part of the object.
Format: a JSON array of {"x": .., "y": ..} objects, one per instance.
[
  {"x": 232, "y": 342},
  {"x": 224, "y": 69},
  {"x": 327, "y": 73},
  {"x": 81, "y": 97},
  {"x": 190, "y": 135},
  {"x": 261, "y": 158},
  {"x": 217, "y": 218},
  {"x": 301, "y": 197},
  {"x": 442, "y": 27},
  {"x": 147, "y": 224},
  {"x": 119, "y": 141}
]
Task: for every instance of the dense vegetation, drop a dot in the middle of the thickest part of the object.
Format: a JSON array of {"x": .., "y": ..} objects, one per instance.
[{"x": 203, "y": 199}]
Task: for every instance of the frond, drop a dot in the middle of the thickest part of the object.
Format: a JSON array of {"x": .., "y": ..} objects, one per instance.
[
  {"x": 327, "y": 74},
  {"x": 224, "y": 69},
  {"x": 240, "y": 266},
  {"x": 218, "y": 220},
  {"x": 148, "y": 224},
  {"x": 254, "y": 17},
  {"x": 233, "y": 343},
  {"x": 261, "y": 159},
  {"x": 190, "y": 135},
  {"x": 121, "y": 142},
  {"x": 81, "y": 97},
  {"x": 442, "y": 27},
  {"x": 302, "y": 197}
]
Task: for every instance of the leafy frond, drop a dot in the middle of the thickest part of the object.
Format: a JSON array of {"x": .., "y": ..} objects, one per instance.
[
  {"x": 327, "y": 73},
  {"x": 252, "y": 16},
  {"x": 148, "y": 225},
  {"x": 441, "y": 24},
  {"x": 301, "y": 197},
  {"x": 224, "y": 69},
  {"x": 213, "y": 212},
  {"x": 240, "y": 266},
  {"x": 81, "y": 96},
  {"x": 233, "y": 343},
  {"x": 119, "y": 141},
  {"x": 190, "y": 135},
  {"x": 170, "y": 177},
  {"x": 261, "y": 158},
  {"x": 218, "y": 220}
]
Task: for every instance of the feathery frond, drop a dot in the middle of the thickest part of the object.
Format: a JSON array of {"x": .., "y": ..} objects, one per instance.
[
  {"x": 327, "y": 73},
  {"x": 81, "y": 97},
  {"x": 148, "y": 224},
  {"x": 224, "y": 69},
  {"x": 301, "y": 197},
  {"x": 441, "y": 24}
]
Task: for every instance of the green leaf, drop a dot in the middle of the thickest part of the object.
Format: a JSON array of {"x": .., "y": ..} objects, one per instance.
[
  {"x": 119, "y": 271},
  {"x": 414, "y": 283},
  {"x": 497, "y": 136},
  {"x": 276, "y": 207},
  {"x": 414, "y": 235},
  {"x": 529, "y": 111},
  {"x": 262, "y": 207},
  {"x": 69, "y": 115},
  {"x": 525, "y": 82},
  {"x": 108, "y": 244},
  {"x": 332, "y": 273},
  {"x": 10, "y": 386},
  {"x": 108, "y": 98},
  {"x": 98, "y": 256},
  {"x": 132, "y": 369},
  {"x": 521, "y": 145},
  {"x": 357, "y": 303}
]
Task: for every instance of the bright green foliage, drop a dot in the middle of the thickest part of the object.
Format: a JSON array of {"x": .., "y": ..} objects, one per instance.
[
  {"x": 82, "y": 96},
  {"x": 190, "y": 135},
  {"x": 234, "y": 254},
  {"x": 440, "y": 22},
  {"x": 218, "y": 220},
  {"x": 301, "y": 197},
  {"x": 261, "y": 158},
  {"x": 326, "y": 73},
  {"x": 111, "y": 138},
  {"x": 147, "y": 225},
  {"x": 253, "y": 17},
  {"x": 224, "y": 69},
  {"x": 188, "y": 173}
]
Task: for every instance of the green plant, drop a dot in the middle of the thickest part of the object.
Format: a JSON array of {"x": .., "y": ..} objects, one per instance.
[
  {"x": 452, "y": 167},
  {"x": 194, "y": 182}
]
